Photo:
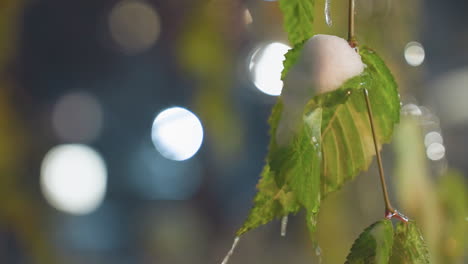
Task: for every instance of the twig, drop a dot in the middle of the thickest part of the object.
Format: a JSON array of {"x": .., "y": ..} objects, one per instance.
[
  {"x": 351, "y": 37},
  {"x": 389, "y": 211}
]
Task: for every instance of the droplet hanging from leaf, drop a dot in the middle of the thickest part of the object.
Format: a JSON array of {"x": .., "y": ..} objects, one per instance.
[
  {"x": 328, "y": 18},
  {"x": 231, "y": 251},
  {"x": 284, "y": 225}
]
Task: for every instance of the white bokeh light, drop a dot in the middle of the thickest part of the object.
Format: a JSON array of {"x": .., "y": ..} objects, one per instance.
[
  {"x": 266, "y": 65},
  {"x": 414, "y": 53},
  {"x": 433, "y": 137},
  {"x": 411, "y": 110},
  {"x": 435, "y": 151},
  {"x": 134, "y": 25},
  {"x": 177, "y": 133},
  {"x": 73, "y": 178}
]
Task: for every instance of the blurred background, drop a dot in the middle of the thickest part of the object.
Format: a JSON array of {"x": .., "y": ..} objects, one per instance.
[{"x": 134, "y": 131}]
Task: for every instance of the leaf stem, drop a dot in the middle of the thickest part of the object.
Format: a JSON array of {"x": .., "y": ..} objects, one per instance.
[
  {"x": 389, "y": 211},
  {"x": 351, "y": 38}
]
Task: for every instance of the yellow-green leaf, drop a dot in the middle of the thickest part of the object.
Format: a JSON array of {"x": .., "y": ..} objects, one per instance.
[{"x": 409, "y": 246}]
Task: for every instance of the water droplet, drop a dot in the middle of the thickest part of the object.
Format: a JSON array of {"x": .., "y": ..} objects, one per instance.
[
  {"x": 328, "y": 18},
  {"x": 233, "y": 247},
  {"x": 284, "y": 225}
]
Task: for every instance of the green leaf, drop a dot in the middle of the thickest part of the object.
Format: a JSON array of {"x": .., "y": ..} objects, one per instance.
[
  {"x": 374, "y": 245},
  {"x": 297, "y": 165},
  {"x": 409, "y": 246},
  {"x": 270, "y": 203},
  {"x": 300, "y": 165},
  {"x": 298, "y": 19},
  {"x": 332, "y": 146},
  {"x": 291, "y": 58},
  {"x": 347, "y": 145}
]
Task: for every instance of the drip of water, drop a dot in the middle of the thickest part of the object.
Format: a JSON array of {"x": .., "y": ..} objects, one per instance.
[
  {"x": 328, "y": 18},
  {"x": 318, "y": 253},
  {"x": 229, "y": 254},
  {"x": 284, "y": 225}
]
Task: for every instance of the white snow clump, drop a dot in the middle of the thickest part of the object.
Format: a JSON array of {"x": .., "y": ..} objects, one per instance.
[{"x": 325, "y": 64}]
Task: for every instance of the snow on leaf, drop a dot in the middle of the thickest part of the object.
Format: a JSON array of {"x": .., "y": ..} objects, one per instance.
[
  {"x": 374, "y": 245},
  {"x": 333, "y": 144},
  {"x": 347, "y": 146}
]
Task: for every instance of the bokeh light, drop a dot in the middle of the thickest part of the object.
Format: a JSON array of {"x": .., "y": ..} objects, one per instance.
[
  {"x": 266, "y": 65},
  {"x": 73, "y": 178},
  {"x": 411, "y": 110},
  {"x": 77, "y": 117},
  {"x": 435, "y": 151},
  {"x": 433, "y": 137},
  {"x": 177, "y": 133},
  {"x": 414, "y": 53},
  {"x": 134, "y": 25}
]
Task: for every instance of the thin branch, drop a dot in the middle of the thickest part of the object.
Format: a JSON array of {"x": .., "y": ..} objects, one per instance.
[
  {"x": 389, "y": 211},
  {"x": 351, "y": 37}
]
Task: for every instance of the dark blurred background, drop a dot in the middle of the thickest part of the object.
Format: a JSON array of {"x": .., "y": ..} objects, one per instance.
[{"x": 134, "y": 131}]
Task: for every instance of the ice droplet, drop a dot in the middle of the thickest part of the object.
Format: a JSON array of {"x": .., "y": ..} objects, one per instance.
[
  {"x": 284, "y": 225},
  {"x": 328, "y": 18},
  {"x": 233, "y": 247}
]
